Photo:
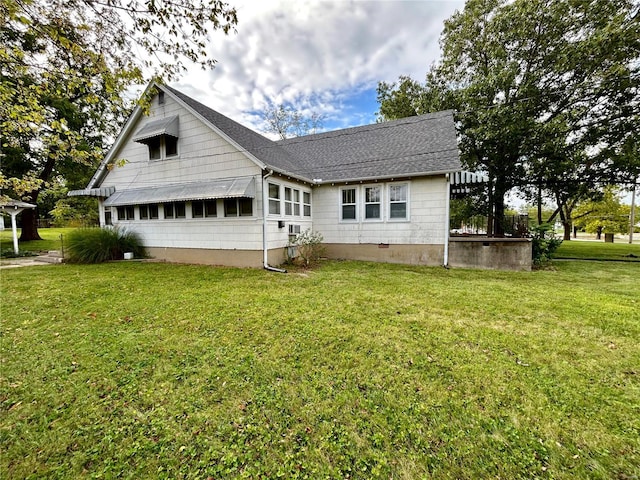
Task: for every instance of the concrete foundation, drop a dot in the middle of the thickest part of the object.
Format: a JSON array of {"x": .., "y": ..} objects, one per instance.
[
  {"x": 388, "y": 253},
  {"x": 490, "y": 253},
  {"x": 227, "y": 258}
]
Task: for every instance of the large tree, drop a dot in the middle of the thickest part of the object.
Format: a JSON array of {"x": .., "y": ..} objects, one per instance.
[
  {"x": 546, "y": 94},
  {"x": 65, "y": 66}
]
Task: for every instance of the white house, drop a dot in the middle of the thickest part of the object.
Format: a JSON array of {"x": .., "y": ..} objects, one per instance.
[{"x": 200, "y": 188}]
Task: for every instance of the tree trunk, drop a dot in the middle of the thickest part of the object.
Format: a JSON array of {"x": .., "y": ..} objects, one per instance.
[
  {"x": 30, "y": 216},
  {"x": 575, "y": 232},
  {"x": 498, "y": 209},
  {"x": 490, "y": 206},
  {"x": 29, "y": 219},
  {"x": 599, "y": 233},
  {"x": 539, "y": 205},
  {"x": 566, "y": 221}
]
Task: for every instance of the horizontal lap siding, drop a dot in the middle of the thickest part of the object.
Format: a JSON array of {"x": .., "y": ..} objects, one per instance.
[
  {"x": 202, "y": 155},
  {"x": 426, "y": 224},
  {"x": 228, "y": 234}
]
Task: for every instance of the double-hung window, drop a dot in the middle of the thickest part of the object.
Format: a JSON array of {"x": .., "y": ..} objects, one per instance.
[
  {"x": 288, "y": 201},
  {"x": 306, "y": 204},
  {"x": 372, "y": 202},
  {"x": 291, "y": 201},
  {"x": 348, "y": 205},
  {"x": 398, "y": 201},
  {"x": 274, "y": 199}
]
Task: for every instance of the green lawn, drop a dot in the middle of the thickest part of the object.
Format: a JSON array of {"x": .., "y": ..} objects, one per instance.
[
  {"x": 359, "y": 370},
  {"x": 50, "y": 240},
  {"x": 599, "y": 250}
]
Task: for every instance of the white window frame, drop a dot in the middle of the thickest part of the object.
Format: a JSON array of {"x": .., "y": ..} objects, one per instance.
[
  {"x": 380, "y": 203},
  {"x": 288, "y": 201},
  {"x": 273, "y": 200},
  {"x": 306, "y": 205},
  {"x": 342, "y": 204},
  {"x": 389, "y": 202},
  {"x": 162, "y": 149}
]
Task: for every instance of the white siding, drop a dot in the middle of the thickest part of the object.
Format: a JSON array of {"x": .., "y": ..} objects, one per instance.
[
  {"x": 425, "y": 225},
  {"x": 202, "y": 155},
  {"x": 279, "y": 237}
]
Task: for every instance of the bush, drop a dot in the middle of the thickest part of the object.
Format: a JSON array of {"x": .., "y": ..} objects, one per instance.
[
  {"x": 97, "y": 245},
  {"x": 310, "y": 247},
  {"x": 544, "y": 243}
]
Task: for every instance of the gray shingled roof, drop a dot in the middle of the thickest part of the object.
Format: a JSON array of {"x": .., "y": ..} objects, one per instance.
[
  {"x": 259, "y": 146},
  {"x": 421, "y": 145},
  {"x": 414, "y": 146}
]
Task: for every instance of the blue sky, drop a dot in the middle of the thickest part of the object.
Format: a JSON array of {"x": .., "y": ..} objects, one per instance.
[{"x": 318, "y": 56}]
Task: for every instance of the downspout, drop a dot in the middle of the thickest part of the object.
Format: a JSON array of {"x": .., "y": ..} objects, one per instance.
[
  {"x": 445, "y": 261},
  {"x": 265, "y": 212}
]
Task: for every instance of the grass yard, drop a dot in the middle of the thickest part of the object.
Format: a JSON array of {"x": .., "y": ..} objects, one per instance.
[
  {"x": 50, "y": 240},
  {"x": 599, "y": 250},
  {"x": 358, "y": 370}
]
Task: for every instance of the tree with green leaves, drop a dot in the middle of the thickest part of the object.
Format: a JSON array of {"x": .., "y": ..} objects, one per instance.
[
  {"x": 65, "y": 66},
  {"x": 546, "y": 94},
  {"x": 604, "y": 215}
]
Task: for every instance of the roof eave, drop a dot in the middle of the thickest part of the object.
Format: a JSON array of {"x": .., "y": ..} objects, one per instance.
[
  {"x": 380, "y": 178},
  {"x": 216, "y": 129}
]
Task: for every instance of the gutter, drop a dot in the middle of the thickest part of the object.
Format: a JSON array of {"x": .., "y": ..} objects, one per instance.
[
  {"x": 265, "y": 212},
  {"x": 445, "y": 260}
]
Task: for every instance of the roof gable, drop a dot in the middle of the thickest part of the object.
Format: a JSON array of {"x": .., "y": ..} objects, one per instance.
[{"x": 413, "y": 146}]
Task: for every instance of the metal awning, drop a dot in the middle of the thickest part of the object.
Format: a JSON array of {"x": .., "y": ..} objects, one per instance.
[
  {"x": 155, "y": 128},
  {"x": 227, "y": 188},
  {"x": 102, "y": 192}
]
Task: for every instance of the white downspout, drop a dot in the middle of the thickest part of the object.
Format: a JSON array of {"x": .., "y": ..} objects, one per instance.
[
  {"x": 445, "y": 261},
  {"x": 265, "y": 212}
]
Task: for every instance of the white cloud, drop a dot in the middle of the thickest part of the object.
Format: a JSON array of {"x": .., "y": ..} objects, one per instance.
[{"x": 316, "y": 55}]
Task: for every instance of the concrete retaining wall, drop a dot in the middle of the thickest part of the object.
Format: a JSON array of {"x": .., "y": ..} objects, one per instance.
[{"x": 490, "y": 253}]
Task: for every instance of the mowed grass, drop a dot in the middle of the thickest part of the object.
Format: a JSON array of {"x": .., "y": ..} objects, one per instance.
[
  {"x": 354, "y": 370},
  {"x": 50, "y": 240},
  {"x": 620, "y": 250}
]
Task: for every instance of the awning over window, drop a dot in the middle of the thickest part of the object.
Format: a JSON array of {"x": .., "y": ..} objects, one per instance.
[
  {"x": 228, "y": 188},
  {"x": 155, "y": 128},
  {"x": 102, "y": 192}
]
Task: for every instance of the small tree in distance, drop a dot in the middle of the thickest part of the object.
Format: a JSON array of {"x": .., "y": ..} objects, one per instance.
[
  {"x": 605, "y": 215},
  {"x": 285, "y": 122}
]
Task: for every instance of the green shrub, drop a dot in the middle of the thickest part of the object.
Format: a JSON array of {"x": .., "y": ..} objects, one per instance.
[
  {"x": 96, "y": 245},
  {"x": 544, "y": 243},
  {"x": 310, "y": 247}
]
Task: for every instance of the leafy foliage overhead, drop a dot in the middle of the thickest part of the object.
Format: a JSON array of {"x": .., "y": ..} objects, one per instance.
[
  {"x": 547, "y": 92},
  {"x": 65, "y": 66}
]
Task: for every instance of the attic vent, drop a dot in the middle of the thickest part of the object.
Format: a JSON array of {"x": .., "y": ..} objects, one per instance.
[{"x": 160, "y": 98}]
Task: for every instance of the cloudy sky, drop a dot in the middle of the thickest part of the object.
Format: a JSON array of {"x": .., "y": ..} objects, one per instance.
[{"x": 322, "y": 56}]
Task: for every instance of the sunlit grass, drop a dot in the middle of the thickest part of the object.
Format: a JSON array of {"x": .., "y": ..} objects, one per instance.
[
  {"x": 353, "y": 370},
  {"x": 599, "y": 250},
  {"x": 50, "y": 239}
]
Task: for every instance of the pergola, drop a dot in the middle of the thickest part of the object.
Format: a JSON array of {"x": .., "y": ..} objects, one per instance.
[{"x": 13, "y": 208}]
